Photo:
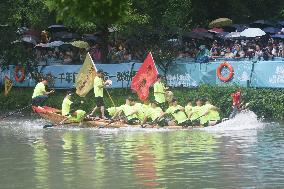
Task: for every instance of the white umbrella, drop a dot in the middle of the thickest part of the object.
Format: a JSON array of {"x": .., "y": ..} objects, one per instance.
[
  {"x": 233, "y": 35},
  {"x": 252, "y": 32}
]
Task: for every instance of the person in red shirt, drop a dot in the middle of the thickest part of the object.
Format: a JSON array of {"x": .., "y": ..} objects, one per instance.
[{"x": 236, "y": 97}]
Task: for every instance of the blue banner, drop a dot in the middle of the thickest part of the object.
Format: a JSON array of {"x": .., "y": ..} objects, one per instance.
[
  {"x": 268, "y": 74},
  {"x": 63, "y": 76}
]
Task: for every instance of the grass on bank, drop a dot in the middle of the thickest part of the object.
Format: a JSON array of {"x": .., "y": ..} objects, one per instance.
[{"x": 264, "y": 102}]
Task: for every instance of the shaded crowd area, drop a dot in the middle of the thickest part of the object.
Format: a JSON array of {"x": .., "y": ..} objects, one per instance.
[{"x": 260, "y": 40}]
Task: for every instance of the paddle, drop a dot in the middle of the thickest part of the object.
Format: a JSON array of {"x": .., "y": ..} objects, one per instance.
[
  {"x": 52, "y": 125},
  {"x": 15, "y": 112}
]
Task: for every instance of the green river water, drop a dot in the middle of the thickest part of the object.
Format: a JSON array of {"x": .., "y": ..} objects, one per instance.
[{"x": 242, "y": 153}]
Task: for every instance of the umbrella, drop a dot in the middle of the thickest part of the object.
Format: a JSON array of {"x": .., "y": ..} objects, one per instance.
[
  {"x": 271, "y": 30},
  {"x": 252, "y": 32},
  {"x": 281, "y": 23},
  {"x": 90, "y": 37},
  {"x": 261, "y": 24},
  {"x": 200, "y": 35},
  {"x": 197, "y": 30},
  {"x": 222, "y": 35},
  {"x": 80, "y": 44},
  {"x": 240, "y": 27},
  {"x": 29, "y": 39},
  {"x": 51, "y": 44},
  {"x": 216, "y": 30},
  {"x": 70, "y": 36},
  {"x": 56, "y": 28},
  {"x": 22, "y": 30},
  {"x": 220, "y": 22},
  {"x": 233, "y": 35},
  {"x": 281, "y": 36}
]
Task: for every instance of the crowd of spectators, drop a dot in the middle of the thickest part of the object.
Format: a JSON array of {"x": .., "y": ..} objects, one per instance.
[
  {"x": 121, "y": 50},
  {"x": 257, "y": 49}
]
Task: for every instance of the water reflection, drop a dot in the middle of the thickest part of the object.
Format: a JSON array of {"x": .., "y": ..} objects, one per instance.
[{"x": 87, "y": 158}]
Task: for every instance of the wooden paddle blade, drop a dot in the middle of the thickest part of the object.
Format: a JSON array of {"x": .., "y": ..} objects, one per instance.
[{"x": 47, "y": 126}]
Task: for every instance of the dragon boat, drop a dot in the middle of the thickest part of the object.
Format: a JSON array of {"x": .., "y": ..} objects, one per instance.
[{"x": 54, "y": 116}]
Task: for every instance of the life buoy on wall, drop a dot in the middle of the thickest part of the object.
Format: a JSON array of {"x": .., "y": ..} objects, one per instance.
[
  {"x": 19, "y": 78},
  {"x": 229, "y": 67}
]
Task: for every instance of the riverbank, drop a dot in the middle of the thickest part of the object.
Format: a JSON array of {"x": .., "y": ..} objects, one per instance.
[{"x": 264, "y": 102}]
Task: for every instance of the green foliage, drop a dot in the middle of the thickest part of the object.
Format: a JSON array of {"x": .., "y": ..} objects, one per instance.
[
  {"x": 20, "y": 13},
  {"x": 264, "y": 102}
]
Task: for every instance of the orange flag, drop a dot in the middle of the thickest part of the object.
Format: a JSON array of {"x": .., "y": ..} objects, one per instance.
[{"x": 144, "y": 78}]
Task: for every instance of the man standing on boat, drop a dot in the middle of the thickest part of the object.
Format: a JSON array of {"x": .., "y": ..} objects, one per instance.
[
  {"x": 99, "y": 85},
  {"x": 160, "y": 92},
  {"x": 40, "y": 94},
  {"x": 236, "y": 107}
]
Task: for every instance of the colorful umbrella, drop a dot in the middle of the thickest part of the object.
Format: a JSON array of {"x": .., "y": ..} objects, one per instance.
[
  {"x": 216, "y": 30},
  {"x": 233, "y": 35},
  {"x": 220, "y": 22},
  {"x": 80, "y": 44},
  {"x": 252, "y": 32}
]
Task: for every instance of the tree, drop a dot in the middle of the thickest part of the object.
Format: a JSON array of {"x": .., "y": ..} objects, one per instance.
[
  {"x": 101, "y": 14},
  {"x": 20, "y": 13}
]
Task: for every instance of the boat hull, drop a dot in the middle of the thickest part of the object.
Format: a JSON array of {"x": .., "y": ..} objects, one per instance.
[{"x": 53, "y": 115}]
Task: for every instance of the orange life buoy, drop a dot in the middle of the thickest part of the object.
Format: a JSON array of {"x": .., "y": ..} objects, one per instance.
[
  {"x": 229, "y": 67},
  {"x": 22, "y": 77}
]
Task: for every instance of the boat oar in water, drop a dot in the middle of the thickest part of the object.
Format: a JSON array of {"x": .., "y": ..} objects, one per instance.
[
  {"x": 52, "y": 125},
  {"x": 15, "y": 112}
]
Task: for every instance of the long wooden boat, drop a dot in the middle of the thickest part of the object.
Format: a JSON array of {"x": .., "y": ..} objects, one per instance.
[{"x": 53, "y": 115}]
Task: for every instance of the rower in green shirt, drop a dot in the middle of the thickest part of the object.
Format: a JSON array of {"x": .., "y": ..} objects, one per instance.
[
  {"x": 178, "y": 113},
  {"x": 211, "y": 112},
  {"x": 40, "y": 94},
  {"x": 155, "y": 114},
  {"x": 196, "y": 113},
  {"x": 188, "y": 107},
  {"x": 76, "y": 116},
  {"x": 160, "y": 91},
  {"x": 129, "y": 112}
]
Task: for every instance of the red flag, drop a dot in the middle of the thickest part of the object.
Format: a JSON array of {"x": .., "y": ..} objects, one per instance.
[{"x": 144, "y": 78}]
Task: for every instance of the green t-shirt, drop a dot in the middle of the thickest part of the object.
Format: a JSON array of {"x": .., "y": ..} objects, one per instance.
[
  {"x": 113, "y": 110},
  {"x": 79, "y": 116},
  {"x": 127, "y": 110},
  {"x": 213, "y": 115},
  {"x": 66, "y": 106},
  {"x": 39, "y": 90},
  {"x": 196, "y": 112},
  {"x": 159, "y": 92},
  {"x": 98, "y": 87},
  {"x": 180, "y": 116},
  {"x": 154, "y": 113},
  {"x": 187, "y": 109}
]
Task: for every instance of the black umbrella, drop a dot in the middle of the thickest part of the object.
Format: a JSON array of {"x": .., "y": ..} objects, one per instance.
[
  {"x": 90, "y": 37},
  {"x": 199, "y": 35},
  {"x": 271, "y": 30},
  {"x": 70, "y": 37},
  {"x": 281, "y": 23},
  {"x": 261, "y": 24},
  {"x": 56, "y": 28}
]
